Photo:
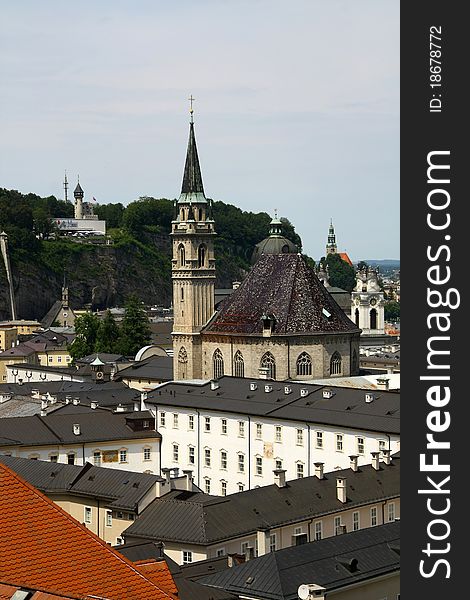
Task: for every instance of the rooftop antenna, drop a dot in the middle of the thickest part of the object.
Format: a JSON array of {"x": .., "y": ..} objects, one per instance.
[{"x": 66, "y": 185}]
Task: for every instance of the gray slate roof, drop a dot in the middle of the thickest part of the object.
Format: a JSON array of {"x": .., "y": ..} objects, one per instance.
[
  {"x": 155, "y": 367},
  {"x": 284, "y": 286},
  {"x": 202, "y": 519},
  {"x": 57, "y": 428},
  {"x": 277, "y": 575},
  {"x": 121, "y": 489},
  {"x": 347, "y": 407}
]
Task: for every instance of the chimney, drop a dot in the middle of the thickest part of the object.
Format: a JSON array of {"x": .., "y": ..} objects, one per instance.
[
  {"x": 43, "y": 412},
  {"x": 262, "y": 537},
  {"x": 387, "y": 457},
  {"x": 230, "y": 561},
  {"x": 253, "y": 386},
  {"x": 303, "y": 392},
  {"x": 263, "y": 372},
  {"x": 311, "y": 591},
  {"x": 383, "y": 383},
  {"x": 249, "y": 553},
  {"x": 319, "y": 469},
  {"x": 94, "y": 404},
  {"x": 188, "y": 474},
  {"x": 369, "y": 398},
  {"x": 166, "y": 474},
  {"x": 268, "y": 388},
  {"x": 75, "y": 401},
  {"x": 341, "y": 489},
  {"x": 76, "y": 429},
  {"x": 214, "y": 385},
  {"x": 136, "y": 405},
  {"x": 353, "y": 462},
  {"x": 287, "y": 389},
  {"x": 327, "y": 393},
  {"x": 43, "y": 404},
  {"x": 280, "y": 477},
  {"x": 376, "y": 460}
]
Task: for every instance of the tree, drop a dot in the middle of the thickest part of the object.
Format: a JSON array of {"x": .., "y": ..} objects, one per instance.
[
  {"x": 392, "y": 311},
  {"x": 341, "y": 274},
  {"x": 86, "y": 329},
  {"x": 107, "y": 336},
  {"x": 134, "y": 330}
]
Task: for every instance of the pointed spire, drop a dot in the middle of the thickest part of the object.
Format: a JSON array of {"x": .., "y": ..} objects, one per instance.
[
  {"x": 192, "y": 178},
  {"x": 78, "y": 192}
]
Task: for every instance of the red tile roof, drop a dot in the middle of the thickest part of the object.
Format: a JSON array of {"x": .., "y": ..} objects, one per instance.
[
  {"x": 158, "y": 572},
  {"x": 344, "y": 256},
  {"x": 49, "y": 550}
]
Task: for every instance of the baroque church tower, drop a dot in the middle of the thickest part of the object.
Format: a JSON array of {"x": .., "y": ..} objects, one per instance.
[
  {"x": 193, "y": 266},
  {"x": 331, "y": 247}
]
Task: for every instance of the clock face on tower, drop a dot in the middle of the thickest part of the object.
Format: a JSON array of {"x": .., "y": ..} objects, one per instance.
[{"x": 373, "y": 301}]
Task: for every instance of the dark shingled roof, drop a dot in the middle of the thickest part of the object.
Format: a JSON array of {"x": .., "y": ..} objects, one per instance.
[
  {"x": 198, "y": 518},
  {"x": 57, "y": 428},
  {"x": 192, "y": 178},
  {"x": 346, "y": 407},
  {"x": 284, "y": 286},
  {"x": 51, "y": 314},
  {"x": 121, "y": 489},
  {"x": 154, "y": 367},
  {"x": 278, "y": 575}
]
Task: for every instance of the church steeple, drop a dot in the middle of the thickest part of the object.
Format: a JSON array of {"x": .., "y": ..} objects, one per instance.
[
  {"x": 192, "y": 189},
  {"x": 331, "y": 247}
]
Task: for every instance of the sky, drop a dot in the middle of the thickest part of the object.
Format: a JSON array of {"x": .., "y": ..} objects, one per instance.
[{"x": 296, "y": 107}]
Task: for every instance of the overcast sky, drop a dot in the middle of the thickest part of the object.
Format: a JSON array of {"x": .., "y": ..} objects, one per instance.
[{"x": 297, "y": 107}]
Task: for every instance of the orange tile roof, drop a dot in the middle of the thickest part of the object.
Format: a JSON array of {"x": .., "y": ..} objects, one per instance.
[
  {"x": 7, "y": 591},
  {"x": 49, "y": 550},
  {"x": 158, "y": 572},
  {"x": 345, "y": 257}
]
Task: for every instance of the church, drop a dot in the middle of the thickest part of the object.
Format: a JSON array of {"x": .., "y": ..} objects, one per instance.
[{"x": 280, "y": 323}]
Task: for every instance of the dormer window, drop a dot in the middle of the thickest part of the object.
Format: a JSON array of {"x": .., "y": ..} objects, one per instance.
[{"x": 269, "y": 321}]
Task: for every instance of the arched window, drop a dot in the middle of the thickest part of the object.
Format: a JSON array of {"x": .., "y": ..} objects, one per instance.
[
  {"x": 201, "y": 256},
  {"x": 268, "y": 362},
  {"x": 200, "y": 214},
  {"x": 373, "y": 319},
  {"x": 218, "y": 364},
  {"x": 354, "y": 364},
  {"x": 181, "y": 256},
  {"x": 239, "y": 363},
  {"x": 357, "y": 317},
  {"x": 182, "y": 362},
  {"x": 335, "y": 364},
  {"x": 304, "y": 364}
]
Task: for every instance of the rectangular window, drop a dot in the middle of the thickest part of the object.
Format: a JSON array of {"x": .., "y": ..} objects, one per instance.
[
  {"x": 223, "y": 488},
  {"x": 207, "y": 485},
  {"x": 87, "y": 518},
  {"x": 278, "y": 463},
  {"x": 272, "y": 542},
  {"x": 109, "y": 518},
  {"x": 122, "y": 456},
  {"x": 373, "y": 516},
  {"x": 259, "y": 465},
  {"x": 97, "y": 458},
  {"x": 319, "y": 439},
  {"x": 241, "y": 487},
  {"x": 318, "y": 530},
  {"x": 207, "y": 424},
  {"x": 175, "y": 420},
  {"x": 223, "y": 459},
  {"x": 360, "y": 445},
  {"x": 59, "y": 359},
  {"x": 187, "y": 557},
  {"x": 244, "y": 547},
  {"x": 176, "y": 453},
  {"x": 54, "y": 458},
  {"x": 191, "y": 458},
  {"x": 207, "y": 457},
  {"x": 300, "y": 437},
  {"x": 146, "y": 424},
  {"x": 220, "y": 552},
  {"x": 162, "y": 419},
  {"x": 191, "y": 422},
  {"x": 355, "y": 520},
  {"x": 241, "y": 428},
  {"x": 337, "y": 525},
  {"x": 278, "y": 433},
  {"x": 224, "y": 426},
  {"x": 259, "y": 431},
  {"x": 146, "y": 453},
  {"x": 339, "y": 442},
  {"x": 71, "y": 458},
  {"x": 300, "y": 470},
  {"x": 391, "y": 512}
]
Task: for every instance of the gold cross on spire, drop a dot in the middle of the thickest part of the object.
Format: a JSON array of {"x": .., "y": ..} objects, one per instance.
[{"x": 191, "y": 110}]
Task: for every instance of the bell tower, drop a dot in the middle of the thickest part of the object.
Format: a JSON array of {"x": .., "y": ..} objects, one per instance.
[
  {"x": 331, "y": 247},
  {"x": 193, "y": 266}
]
